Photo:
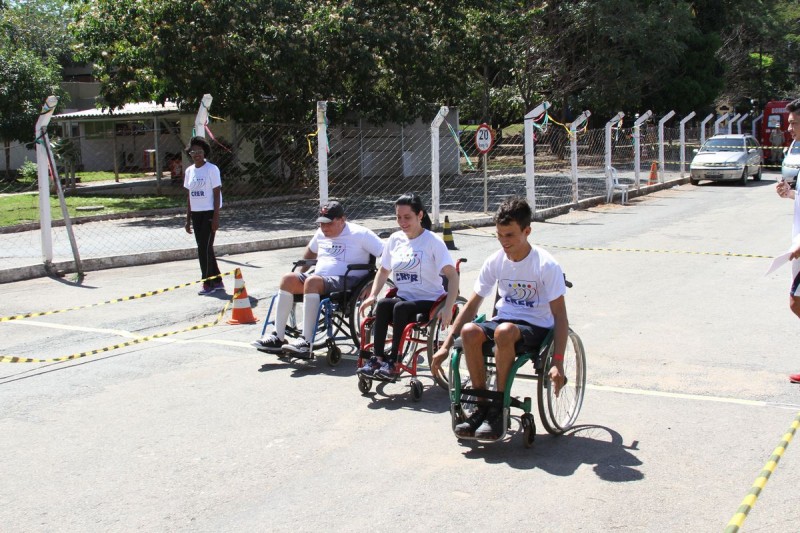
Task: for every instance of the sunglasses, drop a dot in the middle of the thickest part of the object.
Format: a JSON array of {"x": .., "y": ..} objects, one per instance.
[{"x": 193, "y": 152}]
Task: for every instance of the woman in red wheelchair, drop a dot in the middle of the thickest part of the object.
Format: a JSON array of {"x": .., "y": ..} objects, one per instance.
[{"x": 417, "y": 260}]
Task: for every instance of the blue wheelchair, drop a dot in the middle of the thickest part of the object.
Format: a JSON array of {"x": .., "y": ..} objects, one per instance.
[{"x": 337, "y": 318}]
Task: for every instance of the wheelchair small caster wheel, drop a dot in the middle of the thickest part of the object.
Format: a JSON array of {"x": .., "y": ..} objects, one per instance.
[
  {"x": 416, "y": 390},
  {"x": 528, "y": 430},
  {"x": 364, "y": 385},
  {"x": 334, "y": 355}
]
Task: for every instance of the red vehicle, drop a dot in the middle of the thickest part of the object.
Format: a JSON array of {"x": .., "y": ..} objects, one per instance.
[{"x": 775, "y": 117}]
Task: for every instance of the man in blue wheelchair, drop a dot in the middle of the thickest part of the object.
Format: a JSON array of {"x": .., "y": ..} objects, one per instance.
[
  {"x": 333, "y": 250},
  {"x": 530, "y": 288}
]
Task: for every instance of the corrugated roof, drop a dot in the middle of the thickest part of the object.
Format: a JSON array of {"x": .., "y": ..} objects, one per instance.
[{"x": 128, "y": 111}]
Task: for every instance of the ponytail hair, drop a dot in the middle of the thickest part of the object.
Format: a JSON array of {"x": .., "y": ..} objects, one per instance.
[{"x": 412, "y": 200}]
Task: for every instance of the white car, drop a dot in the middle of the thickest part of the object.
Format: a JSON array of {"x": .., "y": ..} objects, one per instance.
[
  {"x": 727, "y": 158},
  {"x": 791, "y": 163}
]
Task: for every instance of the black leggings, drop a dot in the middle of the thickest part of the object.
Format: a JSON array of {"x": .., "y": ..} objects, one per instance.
[
  {"x": 399, "y": 313},
  {"x": 201, "y": 223}
]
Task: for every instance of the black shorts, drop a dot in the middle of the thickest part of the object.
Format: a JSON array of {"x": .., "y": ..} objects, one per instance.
[{"x": 532, "y": 336}]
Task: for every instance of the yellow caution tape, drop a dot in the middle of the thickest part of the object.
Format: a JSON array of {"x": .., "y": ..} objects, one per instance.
[
  {"x": 107, "y": 302},
  {"x": 640, "y": 250},
  {"x": 758, "y": 485},
  {"x": 138, "y": 340}
]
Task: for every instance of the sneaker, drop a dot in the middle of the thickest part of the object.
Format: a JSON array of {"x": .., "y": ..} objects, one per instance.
[
  {"x": 218, "y": 286},
  {"x": 386, "y": 371},
  {"x": 370, "y": 366},
  {"x": 270, "y": 344},
  {"x": 298, "y": 346},
  {"x": 467, "y": 427},
  {"x": 207, "y": 289},
  {"x": 794, "y": 378},
  {"x": 492, "y": 426}
]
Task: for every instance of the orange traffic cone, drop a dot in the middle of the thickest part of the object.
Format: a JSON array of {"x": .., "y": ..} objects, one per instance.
[
  {"x": 242, "y": 313},
  {"x": 447, "y": 235},
  {"x": 653, "y": 173}
]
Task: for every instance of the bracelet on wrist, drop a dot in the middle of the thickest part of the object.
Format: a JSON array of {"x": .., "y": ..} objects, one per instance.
[{"x": 558, "y": 358}]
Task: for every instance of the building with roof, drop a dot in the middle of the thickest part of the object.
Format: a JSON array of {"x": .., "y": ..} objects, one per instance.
[{"x": 140, "y": 136}]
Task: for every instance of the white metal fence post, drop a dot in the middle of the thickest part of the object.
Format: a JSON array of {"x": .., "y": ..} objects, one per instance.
[
  {"x": 685, "y": 119},
  {"x": 661, "y": 123},
  {"x": 718, "y": 121},
  {"x": 201, "y": 118},
  {"x": 617, "y": 118},
  {"x": 756, "y": 121},
  {"x": 739, "y": 122},
  {"x": 731, "y": 121},
  {"x": 573, "y": 144},
  {"x": 637, "y": 144},
  {"x": 322, "y": 151},
  {"x": 435, "y": 162},
  {"x": 43, "y": 167},
  {"x": 530, "y": 150},
  {"x": 157, "y": 155},
  {"x": 703, "y": 128}
]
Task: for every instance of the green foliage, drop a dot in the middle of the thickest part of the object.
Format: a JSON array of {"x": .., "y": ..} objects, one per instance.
[
  {"x": 30, "y": 48},
  {"x": 389, "y": 61},
  {"x": 28, "y": 172}
]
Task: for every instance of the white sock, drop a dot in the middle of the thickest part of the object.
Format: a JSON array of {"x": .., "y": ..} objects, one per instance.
[
  {"x": 282, "y": 310},
  {"x": 310, "y": 313}
]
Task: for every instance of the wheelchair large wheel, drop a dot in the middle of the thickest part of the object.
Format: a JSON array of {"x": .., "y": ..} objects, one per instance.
[
  {"x": 354, "y": 318},
  {"x": 559, "y": 413},
  {"x": 435, "y": 338}
]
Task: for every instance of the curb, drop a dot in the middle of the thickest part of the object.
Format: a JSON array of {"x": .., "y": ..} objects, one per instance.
[{"x": 148, "y": 258}]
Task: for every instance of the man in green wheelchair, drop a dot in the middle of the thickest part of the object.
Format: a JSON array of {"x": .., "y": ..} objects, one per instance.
[{"x": 530, "y": 288}]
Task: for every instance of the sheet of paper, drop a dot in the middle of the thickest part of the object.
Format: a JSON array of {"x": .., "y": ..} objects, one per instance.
[{"x": 777, "y": 263}]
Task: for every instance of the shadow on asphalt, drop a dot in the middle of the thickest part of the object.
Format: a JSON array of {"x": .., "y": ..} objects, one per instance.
[
  {"x": 394, "y": 396},
  {"x": 562, "y": 455}
]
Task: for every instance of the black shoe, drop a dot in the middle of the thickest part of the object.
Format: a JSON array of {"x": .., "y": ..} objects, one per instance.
[
  {"x": 492, "y": 426},
  {"x": 299, "y": 347},
  {"x": 270, "y": 344},
  {"x": 467, "y": 427}
]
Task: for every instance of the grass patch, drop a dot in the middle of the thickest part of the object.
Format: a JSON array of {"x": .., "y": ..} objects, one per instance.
[
  {"x": 87, "y": 177},
  {"x": 24, "y": 208},
  {"x": 24, "y": 184}
]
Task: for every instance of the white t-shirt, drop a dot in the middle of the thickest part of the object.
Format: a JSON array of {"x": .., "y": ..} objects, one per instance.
[
  {"x": 796, "y": 229},
  {"x": 526, "y": 287},
  {"x": 201, "y": 183},
  {"x": 416, "y": 265},
  {"x": 352, "y": 246}
]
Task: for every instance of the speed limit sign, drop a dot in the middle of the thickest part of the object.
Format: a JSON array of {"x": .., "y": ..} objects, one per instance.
[{"x": 484, "y": 138}]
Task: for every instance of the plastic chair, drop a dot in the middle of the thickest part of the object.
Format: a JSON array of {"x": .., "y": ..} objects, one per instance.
[{"x": 615, "y": 185}]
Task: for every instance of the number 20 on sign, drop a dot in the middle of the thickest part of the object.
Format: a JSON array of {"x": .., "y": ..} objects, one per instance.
[{"x": 484, "y": 138}]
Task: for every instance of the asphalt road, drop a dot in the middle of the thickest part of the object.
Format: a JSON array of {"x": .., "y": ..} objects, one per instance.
[{"x": 688, "y": 347}]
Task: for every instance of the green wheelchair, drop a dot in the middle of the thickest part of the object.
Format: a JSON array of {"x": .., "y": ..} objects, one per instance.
[{"x": 557, "y": 413}]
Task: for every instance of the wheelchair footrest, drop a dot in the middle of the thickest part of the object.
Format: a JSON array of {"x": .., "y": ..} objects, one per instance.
[{"x": 474, "y": 397}]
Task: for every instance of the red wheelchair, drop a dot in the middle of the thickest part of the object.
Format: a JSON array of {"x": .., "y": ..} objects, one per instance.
[{"x": 419, "y": 341}]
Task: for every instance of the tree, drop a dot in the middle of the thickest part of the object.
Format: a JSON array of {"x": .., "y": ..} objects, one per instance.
[
  {"x": 29, "y": 68},
  {"x": 274, "y": 59}
]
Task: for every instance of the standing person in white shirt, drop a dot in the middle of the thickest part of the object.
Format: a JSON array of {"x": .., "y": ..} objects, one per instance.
[
  {"x": 785, "y": 191},
  {"x": 204, "y": 186},
  {"x": 531, "y": 288},
  {"x": 418, "y": 259},
  {"x": 336, "y": 244}
]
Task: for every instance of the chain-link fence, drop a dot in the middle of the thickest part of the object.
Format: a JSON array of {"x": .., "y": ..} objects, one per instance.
[{"x": 124, "y": 181}]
